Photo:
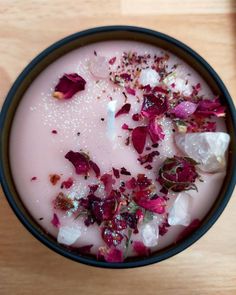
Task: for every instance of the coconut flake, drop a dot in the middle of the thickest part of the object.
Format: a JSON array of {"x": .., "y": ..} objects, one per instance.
[
  {"x": 206, "y": 148},
  {"x": 68, "y": 235}
]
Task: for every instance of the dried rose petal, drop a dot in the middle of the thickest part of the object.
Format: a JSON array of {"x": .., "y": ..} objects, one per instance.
[
  {"x": 108, "y": 182},
  {"x": 111, "y": 237},
  {"x": 93, "y": 188},
  {"x": 116, "y": 172},
  {"x": 54, "y": 178},
  {"x": 184, "y": 109},
  {"x": 154, "y": 105},
  {"x": 55, "y": 220},
  {"x": 148, "y": 158},
  {"x": 136, "y": 117},
  {"x": 178, "y": 174},
  {"x": 130, "y": 91},
  {"x": 155, "y": 130},
  {"x": 125, "y": 76},
  {"x": 54, "y": 131},
  {"x": 210, "y": 107},
  {"x": 140, "y": 248},
  {"x": 124, "y": 110},
  {"x": 67, "y": 183},
  {"x": 143, "y": 182},
  {"x": 142, "y": 198},
  {"x": 33, "y": 178},
  {"x": 84, "y": 249},
  {"x": 189, "y": 229},
  {"x": 63, "y": 203},
  {"x": 68, "y": 85},
  {"x": 82, "y": 163},
  {"x": 131, "y": 220},
  {"x": 110, "y": 255},
  {"x": 131, "y": 184},
  {"x": 112, "y": 60},
  {"x": 118, "y": 223},
  {"x": 139, "y": 135},
  {"x": 95, "y": 168},
  {"x": 124, "y": 171}
]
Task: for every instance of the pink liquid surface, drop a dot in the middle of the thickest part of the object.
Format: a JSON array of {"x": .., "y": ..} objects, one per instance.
[{"x": 35, "y": 151}]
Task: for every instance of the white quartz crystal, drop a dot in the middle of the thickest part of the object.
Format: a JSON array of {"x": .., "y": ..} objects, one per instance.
[
  {"x": 179, "y": 212},
  {"x": 149, "y": 77},
  {"x": 179, "y": 84},
  {"x": 68, "y": 235},
  {"x": 150, "y": 233},
  {"x": 206, "y": 148},
  {"x": 99, "y": 67}
]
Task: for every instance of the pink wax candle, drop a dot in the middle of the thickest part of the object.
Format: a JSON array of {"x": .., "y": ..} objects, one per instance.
[{"x": 117, "y": 147}]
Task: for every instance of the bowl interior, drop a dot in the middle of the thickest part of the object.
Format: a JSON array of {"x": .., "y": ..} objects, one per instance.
[{"x": 73, "y": 42}]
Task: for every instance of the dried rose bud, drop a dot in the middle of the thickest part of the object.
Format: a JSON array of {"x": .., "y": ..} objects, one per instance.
[{"x": 178, "y": 174}]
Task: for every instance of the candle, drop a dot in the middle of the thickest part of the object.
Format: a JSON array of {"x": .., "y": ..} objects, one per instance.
[{"x": 118, "y": 149}]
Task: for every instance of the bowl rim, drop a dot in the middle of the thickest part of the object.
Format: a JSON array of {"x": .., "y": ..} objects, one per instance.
[{"x": 63, "y": 251}]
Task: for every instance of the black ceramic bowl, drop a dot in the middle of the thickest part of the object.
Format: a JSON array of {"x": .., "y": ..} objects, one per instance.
[{"x": 102, "y": 34}]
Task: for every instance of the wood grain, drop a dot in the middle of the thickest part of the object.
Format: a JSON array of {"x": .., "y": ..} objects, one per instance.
[{"x": 26, "y": 266}]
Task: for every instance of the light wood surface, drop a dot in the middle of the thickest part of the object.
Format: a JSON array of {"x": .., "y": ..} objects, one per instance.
[{"x": 26, "y": 266}]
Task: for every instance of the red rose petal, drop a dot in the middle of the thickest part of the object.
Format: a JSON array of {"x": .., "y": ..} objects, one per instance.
[
  {"x": 95, "y": 168},
  {"x": 84, "y": 249},
  {"x": 130, "y": 91},
  {"x": 154, "y": 205},
  {"x": 124, "y": 110},
  {"x": 111, "y": 237},
  {"x": 154, "y": 105},
  {"x": 110, "y": 255},
  {"x": 189, "y": 229},
  {"x": 116, "y": 173},
  {"x": 140, "y": 248},
  {"x": 80, "y": 162},
  {"x": 55, "y": 220},
  {"x": 67, "y": 183},
  {"x": 139, "y": 135},
  {"x": 155, "y": 130},
  {"x": 108, "y": 182},
  {"x": 125, "y": 76},
  {"x": 68, "y": 85},
  {"x": 210, "y": 107},
  {"x": 112, "y": 60}
]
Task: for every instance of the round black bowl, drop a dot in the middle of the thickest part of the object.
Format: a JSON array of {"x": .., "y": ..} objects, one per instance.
[{"x": 102, "y": 34}]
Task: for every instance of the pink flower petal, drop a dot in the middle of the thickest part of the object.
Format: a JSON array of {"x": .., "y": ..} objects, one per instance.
[
  {"x": 139, "y": 135},
  {"x": 68, "y": 85},
  {"x": 55, "y": 220},
  {"x": 184, "y": 109}
]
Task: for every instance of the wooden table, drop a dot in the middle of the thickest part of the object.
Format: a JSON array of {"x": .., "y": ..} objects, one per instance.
[{"x": 26, "y": 266}]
